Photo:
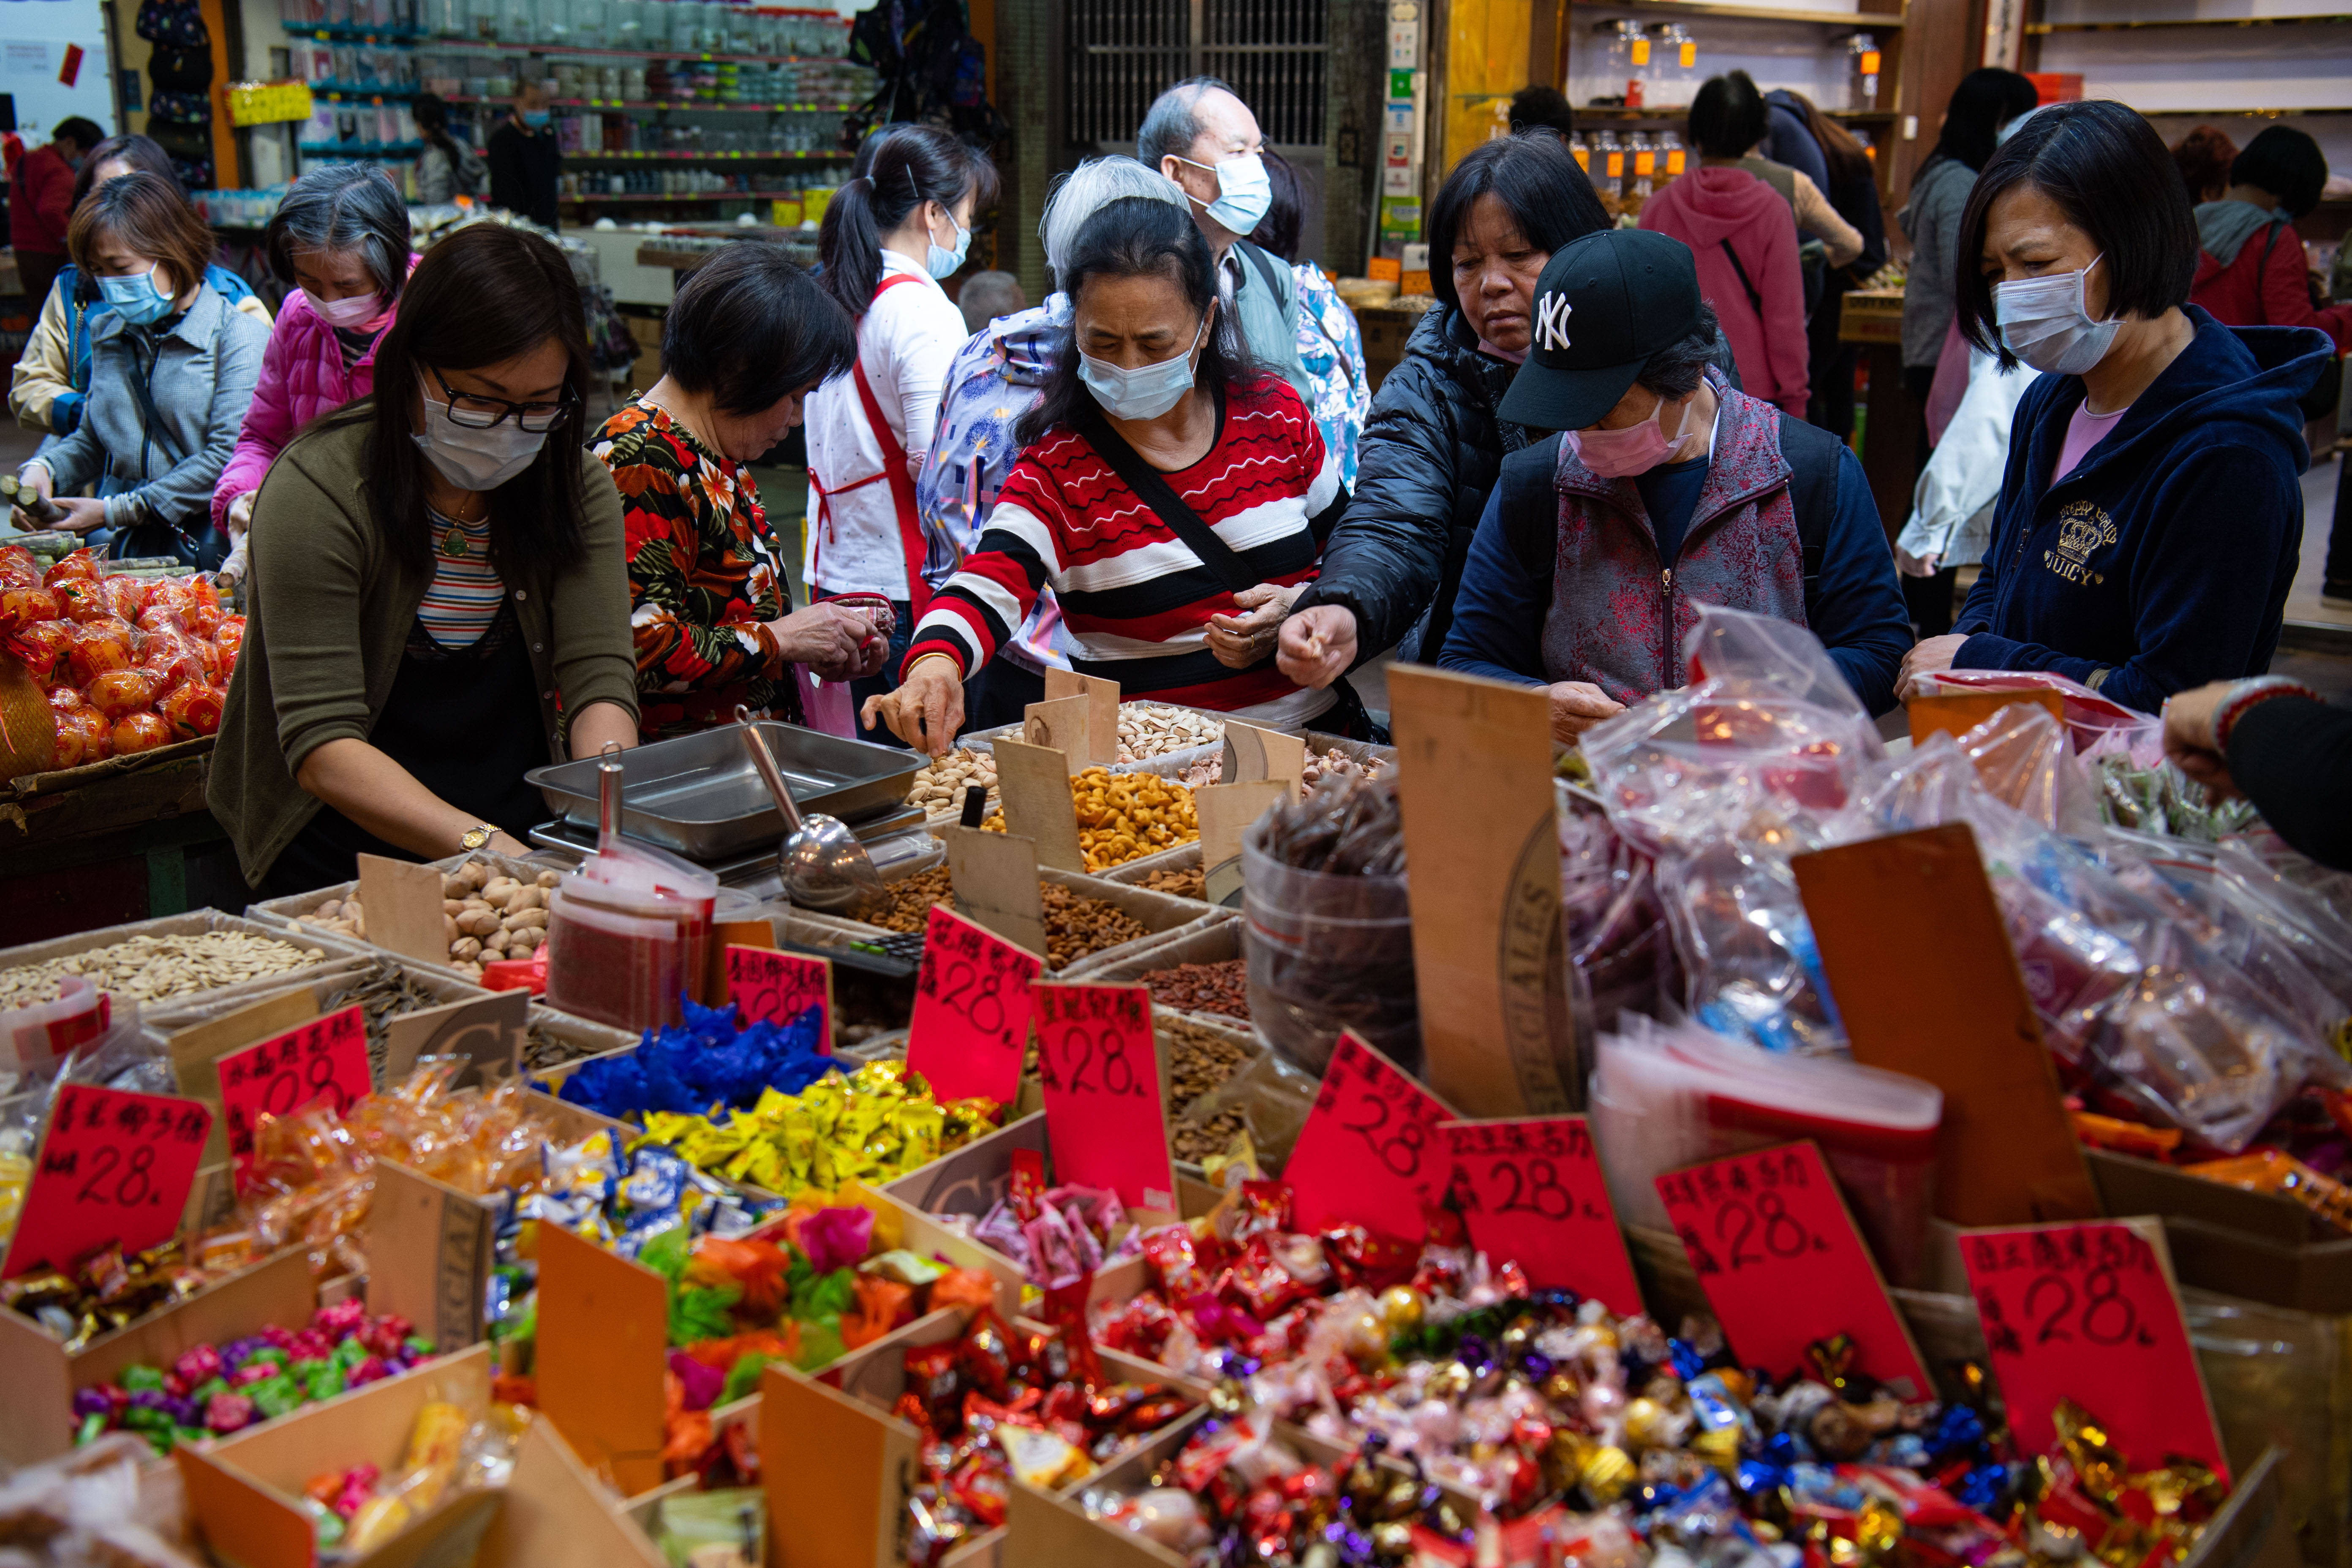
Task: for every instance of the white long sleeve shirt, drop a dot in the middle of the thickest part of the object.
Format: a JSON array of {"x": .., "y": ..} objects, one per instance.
[
  {"x": 1952, "y": 505},
  {"x": 907, "y": 340}
]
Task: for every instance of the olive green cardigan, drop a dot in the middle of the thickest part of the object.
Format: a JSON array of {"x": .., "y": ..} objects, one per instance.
[{"x": 329, "y": 610}]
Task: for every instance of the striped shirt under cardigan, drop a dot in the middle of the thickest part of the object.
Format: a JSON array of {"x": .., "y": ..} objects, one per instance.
[{"x": 1135, "y": 599}]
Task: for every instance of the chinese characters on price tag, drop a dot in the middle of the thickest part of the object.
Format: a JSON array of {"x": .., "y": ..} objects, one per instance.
[
  {"x": 1370, "y": 1151},
  {"x": 1783, "y": 1265},
  {"x": 972, "y": 1010},
  {"x": 2088, "y": 1311},
  {"x": 326, "y": 1059},
  {"x": 113, "y": 1168},
  {"x": 773, "y": 987},
  {"x": 1100, "y": 1075},
  {"x": 1531, "y": 1190}
]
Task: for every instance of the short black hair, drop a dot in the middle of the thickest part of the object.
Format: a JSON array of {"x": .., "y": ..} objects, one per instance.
[
  {"x": 2114, "y": 179},
  {"x": 1539, "y": 184},
  {"x": 86, "y": 133},
  {"x": 1277, "y": 232},
  {"x": 1675, "y": 371},
  {"x": 1987, "y": 99},
  {"x": 1727, "y": 117},
  {"x": 1542, "y": 109},
  {"x": 749, "y": 329},
  {"x": 2287, "y": 164}
]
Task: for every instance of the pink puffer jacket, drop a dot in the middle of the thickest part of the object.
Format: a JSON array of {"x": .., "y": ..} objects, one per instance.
[{"x": 302, "y": 376}]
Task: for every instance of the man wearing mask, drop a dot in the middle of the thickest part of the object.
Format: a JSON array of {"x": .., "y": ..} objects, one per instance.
[
  {"x": 1667, "y": 490},
  {"x": 40, "y": 201},
  {"x": 526, "y": 165},
  {"x": 1204, "y": 137}
]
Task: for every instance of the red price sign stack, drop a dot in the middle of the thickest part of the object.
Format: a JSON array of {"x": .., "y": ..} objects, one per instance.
[
  {"x": 113, "y": 1168},
  {"x": 771, "y": 987},
  {"x": 326, "y": 1059},
  {"x": 1783, "y": 1265},
  {"x": 972, "y": 1010},
  {"x": 1100, "y": 1074},
  {"x": 2088, "y": 1311},
  {"x": 1370, "y": 1151},
  {"x": 1531, "y": 1190}
]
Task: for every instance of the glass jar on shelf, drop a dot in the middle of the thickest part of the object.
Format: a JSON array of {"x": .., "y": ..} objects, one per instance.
[
  {"x": 1582, "y": 152},
  {"x": 1674, "y": 76},
  {"x": 1609, "y": 175},
  {"x": 1672, "y": 157},
  {"x": 1641, "y": 177},
  {"x": 1863, "y": 50}
]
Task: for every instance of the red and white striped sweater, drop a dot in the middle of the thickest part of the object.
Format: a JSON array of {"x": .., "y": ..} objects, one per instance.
[{"x": 1135, "y": 598}]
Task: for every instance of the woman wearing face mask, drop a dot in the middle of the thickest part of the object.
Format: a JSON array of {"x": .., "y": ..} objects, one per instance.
[
  {"x": 341, "y": 237},
  {"x": 748, "y": 338},
  {"x": 1667, "y": 489},
  {"x": 172, "y": 368},
  {"x": 1167, "y": 487},
  {"x": 52, "y": 376},
  {"x": 1433, "y": 442},
  {"x": 2151, "y": 513},
  {"x": 886, "y": 241},
  {"x": 438, "y": 597}
]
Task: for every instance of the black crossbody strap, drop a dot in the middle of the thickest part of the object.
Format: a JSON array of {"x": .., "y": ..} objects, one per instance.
[
  {"x": 1153, "y": 490},
  {"x": 1755, "y": 300}
]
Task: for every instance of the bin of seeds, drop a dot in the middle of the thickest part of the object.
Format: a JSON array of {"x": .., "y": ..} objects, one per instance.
[
  {"x": 1125, "y": 817},
  {"x": 1078, "y": 923},
  {"x": 168, "y": 958}
]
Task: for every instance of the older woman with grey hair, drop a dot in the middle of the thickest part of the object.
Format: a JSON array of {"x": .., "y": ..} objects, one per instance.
[
  {"x": 994, "y": 379},
  {"x": 340, "y": 238}
]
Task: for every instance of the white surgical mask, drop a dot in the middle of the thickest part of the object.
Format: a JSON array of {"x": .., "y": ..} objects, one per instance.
[
  {"x": 476, "y": 459},
  {"x": 1146, "y": 392},
  {"x": 942, "y": 262},
  {"x": 1244, "y": 191},
  {"x": 349, "y": 314},
  {"x": 2044, "y": 322}
]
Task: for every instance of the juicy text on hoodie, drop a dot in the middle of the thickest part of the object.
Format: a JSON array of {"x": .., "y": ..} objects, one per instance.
[
  {"x": 1712, "y": 209},
  {"x": 2163, "y": 561}
]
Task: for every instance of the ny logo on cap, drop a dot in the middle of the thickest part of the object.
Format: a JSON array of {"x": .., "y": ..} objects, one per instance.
[{"x": 1551, "y": 321}]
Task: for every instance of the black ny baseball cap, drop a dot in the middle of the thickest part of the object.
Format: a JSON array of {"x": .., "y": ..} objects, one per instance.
[{"x": 1604, "y": 304}]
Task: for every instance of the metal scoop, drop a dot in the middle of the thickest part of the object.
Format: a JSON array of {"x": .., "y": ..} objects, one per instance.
[{"x": 823, "y": 865}]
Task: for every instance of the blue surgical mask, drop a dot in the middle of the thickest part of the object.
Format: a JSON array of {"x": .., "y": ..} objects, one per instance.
[
  {"x": 1244, "y": 191},
  {"x": 537, "y": 119},
  {"x": 942, "y": 262},
  {"x": 1146, "y": 392},
  {"x": 136, "y": 298},
  {"x": 2044, "y": 322}
]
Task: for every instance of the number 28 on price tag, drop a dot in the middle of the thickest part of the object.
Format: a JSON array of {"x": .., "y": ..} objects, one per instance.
[
  {"x": 771, "y": 987},
  {"x": 1100, "y": 1075},
  {"x": 971, "y": 1024},
  {"x": 1531, "y": 1191},
  {"x": 1369, "y": 1153},
  {"x": 326, "y": 1060},
  {"x": 113, "y": 1167}
]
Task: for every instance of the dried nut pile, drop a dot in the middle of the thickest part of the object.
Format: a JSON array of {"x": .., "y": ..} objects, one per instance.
[
  {"x": 486, "y": 915},
  {"x": 1336, "y": 762},
  {"x": 149, "y": 968},
  {"x": 1076, "y": 925},
  {"x": 1199, "y": 1062},
  {"x": 1125, "y": 817},
  {"x": 1199, "y": 771},
  {"x": 1190, "y": 883},
  {"x": 1203, "y": 987},
  {"x": 1148, "y": 730},
  {"x": 940, "y": 786}
]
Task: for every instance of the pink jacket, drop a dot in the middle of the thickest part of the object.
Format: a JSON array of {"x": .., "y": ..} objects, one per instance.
[
  {"x": 302, "y": 376},
  {"x": 1707, "y": 209}
]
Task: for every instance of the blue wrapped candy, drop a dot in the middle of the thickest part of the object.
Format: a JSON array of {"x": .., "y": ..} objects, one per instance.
[{"x": 704, "y": 1063}]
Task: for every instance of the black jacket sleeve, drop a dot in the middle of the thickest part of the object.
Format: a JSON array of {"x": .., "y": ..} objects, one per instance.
[
  {"x": 1387, "y": 556},
  {"x": 2293, "y": 758}
]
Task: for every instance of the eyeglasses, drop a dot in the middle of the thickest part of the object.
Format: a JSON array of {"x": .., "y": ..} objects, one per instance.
[{"x": 476, "y": 412}]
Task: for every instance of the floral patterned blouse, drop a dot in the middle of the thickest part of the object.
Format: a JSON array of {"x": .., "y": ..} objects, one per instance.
[{"x": 704, "y": 578}]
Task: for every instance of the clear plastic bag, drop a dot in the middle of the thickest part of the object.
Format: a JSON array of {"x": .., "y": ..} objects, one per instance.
[
  {"x": 1751, "y": 969},
  {"x": 1613, "y": 917}
]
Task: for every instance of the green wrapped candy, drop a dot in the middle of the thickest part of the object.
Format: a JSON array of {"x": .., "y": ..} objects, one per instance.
[
  {"x": 268, "y": 1354},
  {"x": 92, "y": 1428},
  {"x": 415, "y": 1347},
  {"x": 325, "y": 1383},
  {"x": 349, "y": 1354},
  {"x": 273, "y": 1396},
  {"x": 145, "y": 1418},
  {"x": 139, "y": 1379},
  {"x": 188, "y": 1435},
  {"x": 203, "y": 1394}
]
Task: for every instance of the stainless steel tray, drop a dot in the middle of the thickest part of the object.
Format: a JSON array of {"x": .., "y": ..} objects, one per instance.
[{"x": 700, "y": 795}]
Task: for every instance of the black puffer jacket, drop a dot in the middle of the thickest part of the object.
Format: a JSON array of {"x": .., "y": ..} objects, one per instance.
[{"x": 1432, "y": 448}]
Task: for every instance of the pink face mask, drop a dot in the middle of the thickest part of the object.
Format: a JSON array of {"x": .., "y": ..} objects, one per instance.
[
  {"x": 353, "y": 313},
  {"x": 1635, "y": 450}
]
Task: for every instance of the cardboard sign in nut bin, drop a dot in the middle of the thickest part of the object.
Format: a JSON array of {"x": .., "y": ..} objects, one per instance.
[
  {"x": 1035, "y": 783},
  {"x": 1065, "y": 726},
  {"x": 1101, "y": 749}
]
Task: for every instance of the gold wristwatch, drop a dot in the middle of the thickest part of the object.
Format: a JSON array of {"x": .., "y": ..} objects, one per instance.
[{"x": 478, "y": 835}]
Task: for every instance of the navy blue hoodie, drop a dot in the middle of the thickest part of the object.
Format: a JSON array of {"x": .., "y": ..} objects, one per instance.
[{"x": 2163, "y": 561}]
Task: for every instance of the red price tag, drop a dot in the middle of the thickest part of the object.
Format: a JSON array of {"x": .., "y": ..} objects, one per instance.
[
  {"x": 972, "y": 1010},
  {"x": 1370, "y": 1151},
  {"x": 1100, "y": 1074},
  {"x": 1531, "y": 1190},
  {"x": 1783, "y": 1265},
  {"x": 113, "y": 1167},
  {"x": 768, "y": 986},
  {"x": 326, "y": 1059},
  {"x": 2088, "y": 1311}
]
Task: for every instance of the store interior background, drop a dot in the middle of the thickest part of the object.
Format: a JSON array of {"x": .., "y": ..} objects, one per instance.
[{"x": 1071, "y": 78}]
